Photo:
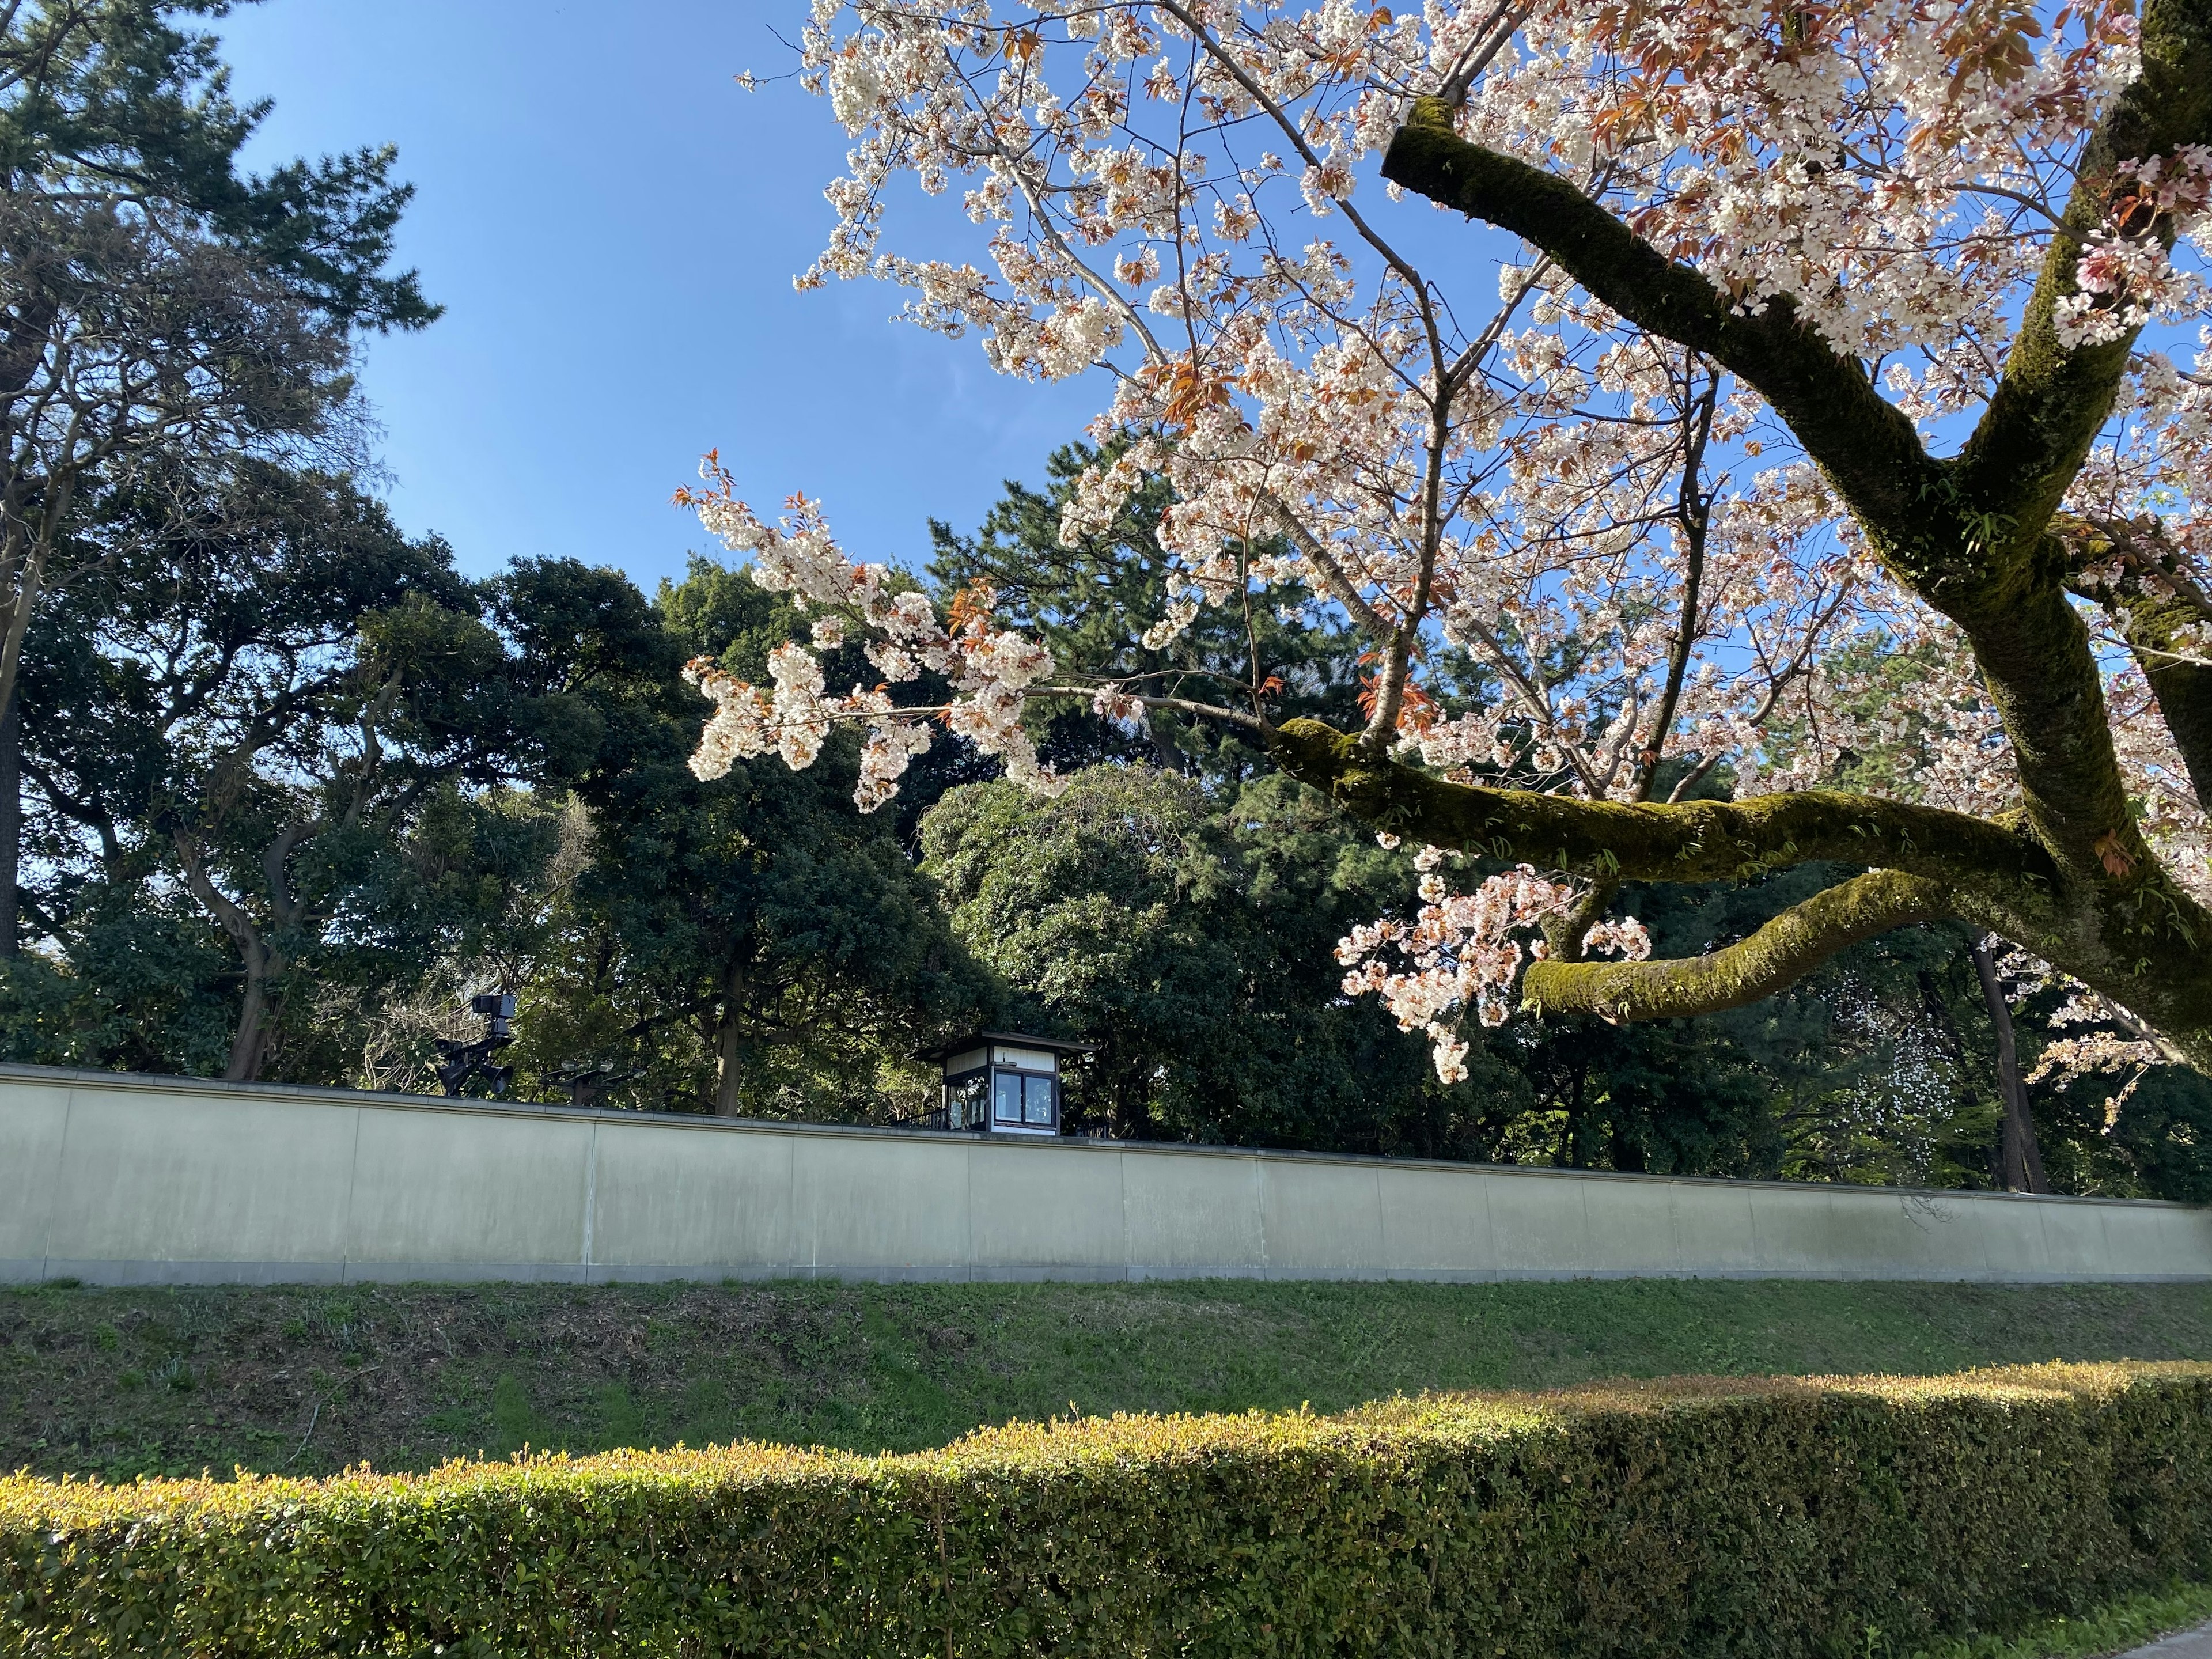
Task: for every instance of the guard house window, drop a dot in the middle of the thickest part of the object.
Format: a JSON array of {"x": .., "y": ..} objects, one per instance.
[
  {"x": 1025, "y": 1088},
  {"x": 1025, "y": 1097}
]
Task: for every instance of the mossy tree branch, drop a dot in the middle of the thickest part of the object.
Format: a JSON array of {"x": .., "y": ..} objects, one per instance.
[
  {"x": 1654, "y": 841},
  {"x": 1859, "y": 438},
  {"x": 2162, "y": 613},
  {"x": 1787, "y": 947},
  {"x": 2134, "y": 936},
  {"x": 2051, "y": 400}
]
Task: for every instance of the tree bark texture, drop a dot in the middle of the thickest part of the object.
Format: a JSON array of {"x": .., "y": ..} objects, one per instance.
[
  {"x": 11, "y": 827},
  {"x": 2022, "y": 1160},
  {"x": 729, "y": 1043}
]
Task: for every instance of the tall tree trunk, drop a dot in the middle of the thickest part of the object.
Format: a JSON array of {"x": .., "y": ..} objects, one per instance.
[
  {"x": 251, "y": 1041},
  {"x": 2022, "y": 1159},
  {"x": 25, "y": 551},
  {"x": 11, "y": 825},
  {"x": 729, "y": 1042}
]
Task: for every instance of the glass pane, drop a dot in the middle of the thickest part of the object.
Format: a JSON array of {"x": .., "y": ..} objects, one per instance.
[
  {"x": 1008, "y": 1097},
  {"x": 1037, "y": 1099},
  {"x": 964, "y": 1099}
]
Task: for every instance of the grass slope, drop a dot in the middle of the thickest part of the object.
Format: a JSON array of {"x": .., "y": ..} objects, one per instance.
[{"x": 306, "y": 1381}]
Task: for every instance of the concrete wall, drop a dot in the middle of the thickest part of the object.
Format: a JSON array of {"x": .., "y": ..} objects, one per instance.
[{"x": 124, "y": 1180}]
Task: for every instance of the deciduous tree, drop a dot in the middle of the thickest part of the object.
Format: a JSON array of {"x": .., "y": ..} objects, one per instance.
[{"x": 1796, "y": 339}]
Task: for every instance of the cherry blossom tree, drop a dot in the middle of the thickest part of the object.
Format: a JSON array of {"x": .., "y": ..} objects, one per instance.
[{"x": 1746, "y": 389}]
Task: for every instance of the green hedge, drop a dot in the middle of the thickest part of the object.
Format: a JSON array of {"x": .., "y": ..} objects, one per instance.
[{"x": 1699, "y": 1518}]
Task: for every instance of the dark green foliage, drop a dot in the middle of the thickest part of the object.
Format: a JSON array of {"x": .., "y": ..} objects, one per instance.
[
  {"x": 1194, "y": 945},
  {"x": 2160, "y": 1143},
  {"x": 1697, "y": 1518},
  {"x": 258, "y": 733},
  {"x": 751, "y": 943},
  {"x": 112, "y": 101}
]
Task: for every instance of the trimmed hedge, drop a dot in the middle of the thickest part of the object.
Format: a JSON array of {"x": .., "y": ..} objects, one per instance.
[{"x": 1697, "y": 1518}]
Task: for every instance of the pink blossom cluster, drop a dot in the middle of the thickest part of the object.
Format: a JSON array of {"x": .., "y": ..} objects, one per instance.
[
  {"x": 2102, "y": 1038},
  {"x": 1464, "y": 951},
  {"x": 2125, "y": 277},
  {"x": 988, "y": 669}
]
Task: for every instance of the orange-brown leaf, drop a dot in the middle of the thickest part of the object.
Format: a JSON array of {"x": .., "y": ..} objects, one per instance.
[{"x": 2115, "y": 859}]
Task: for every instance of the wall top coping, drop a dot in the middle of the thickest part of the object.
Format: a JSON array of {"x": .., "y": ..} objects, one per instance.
[{"x": 313, "y": 1095}]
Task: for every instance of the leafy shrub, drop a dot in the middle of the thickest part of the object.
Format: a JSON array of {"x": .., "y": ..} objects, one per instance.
[{"x": 1691, "y": 1517}]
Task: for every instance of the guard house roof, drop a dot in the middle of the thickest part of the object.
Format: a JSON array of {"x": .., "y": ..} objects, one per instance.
[{"x": 944, "y": 1051}]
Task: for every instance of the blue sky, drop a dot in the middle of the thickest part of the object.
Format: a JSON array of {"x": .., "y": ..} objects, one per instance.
[{"x": 613, "y": 226}]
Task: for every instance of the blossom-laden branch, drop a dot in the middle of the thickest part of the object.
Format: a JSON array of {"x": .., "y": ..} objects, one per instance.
[
  {"x": 988, "y": 668},
  {"x": 1670, "y": 492},
  {"x": 2132, "y": 572},
  {"x": 1931, "y": 864},
  {"x": 1697, "y": 841}
]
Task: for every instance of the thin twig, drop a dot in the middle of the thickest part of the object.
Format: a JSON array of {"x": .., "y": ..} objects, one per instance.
[{"x": 304, "y": 1438}]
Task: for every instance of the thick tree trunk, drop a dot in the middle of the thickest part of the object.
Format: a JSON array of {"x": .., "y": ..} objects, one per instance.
[
  {"x": 249, "y": 1043},
  {"x": 729, "y": 1043},
  {"x": 11, "y": 826},
  {"x": 2022, "y": 1160}
]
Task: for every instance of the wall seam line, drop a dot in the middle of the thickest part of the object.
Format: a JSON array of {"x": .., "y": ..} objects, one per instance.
[
  {"x": 53, "y": 1193},
  {"x": 1130, "y": 1268},
  {"x": 352, "y": 1180},
  {"x": 591, "y": 1197},
  {"x": 1260, "y": 1203}
]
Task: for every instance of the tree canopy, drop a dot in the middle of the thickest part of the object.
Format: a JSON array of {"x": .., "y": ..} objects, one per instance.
[
  {"x": 1782, "y": 348},
  {"x": 160, "y": 308}
]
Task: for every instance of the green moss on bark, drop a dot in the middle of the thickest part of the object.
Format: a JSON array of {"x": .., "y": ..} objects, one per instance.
[
  {"x": 1799, "y": 939},
  {"x": 1686, "y": 840},
  {"x": 2131, "y": 934}
]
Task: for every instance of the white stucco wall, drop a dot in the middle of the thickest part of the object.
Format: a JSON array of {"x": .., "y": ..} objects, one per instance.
[{"x": 130, "y": 1180}]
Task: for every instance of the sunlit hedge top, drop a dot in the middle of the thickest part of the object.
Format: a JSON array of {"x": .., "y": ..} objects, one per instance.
[
  {"x": 1074, "y": 1446},
  {"x": 1690, "y": 1517}
]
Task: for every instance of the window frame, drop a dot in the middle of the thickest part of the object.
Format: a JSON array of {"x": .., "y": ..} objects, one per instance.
[{"x": 1022, "y": 1125}]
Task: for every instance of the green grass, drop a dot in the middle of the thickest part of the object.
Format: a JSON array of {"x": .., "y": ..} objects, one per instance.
[
  {"x": 2127, "y": 1624},
  {"x": 305, "y": 1380}
]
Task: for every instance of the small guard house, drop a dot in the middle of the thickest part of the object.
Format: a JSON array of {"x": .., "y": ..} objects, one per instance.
[{"x": 1003, "y": 1083}]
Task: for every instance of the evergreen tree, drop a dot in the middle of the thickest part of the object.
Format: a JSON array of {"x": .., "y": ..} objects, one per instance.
[
  {"x": 159, "y": 307},
  {"x": 266, "y": 718},
  {"x": 752, "y": 945},
  {"x": 1190, "y": 939}
]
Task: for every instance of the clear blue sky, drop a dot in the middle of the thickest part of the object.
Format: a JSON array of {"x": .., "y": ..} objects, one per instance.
[{"x": 613, "y": 226}]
